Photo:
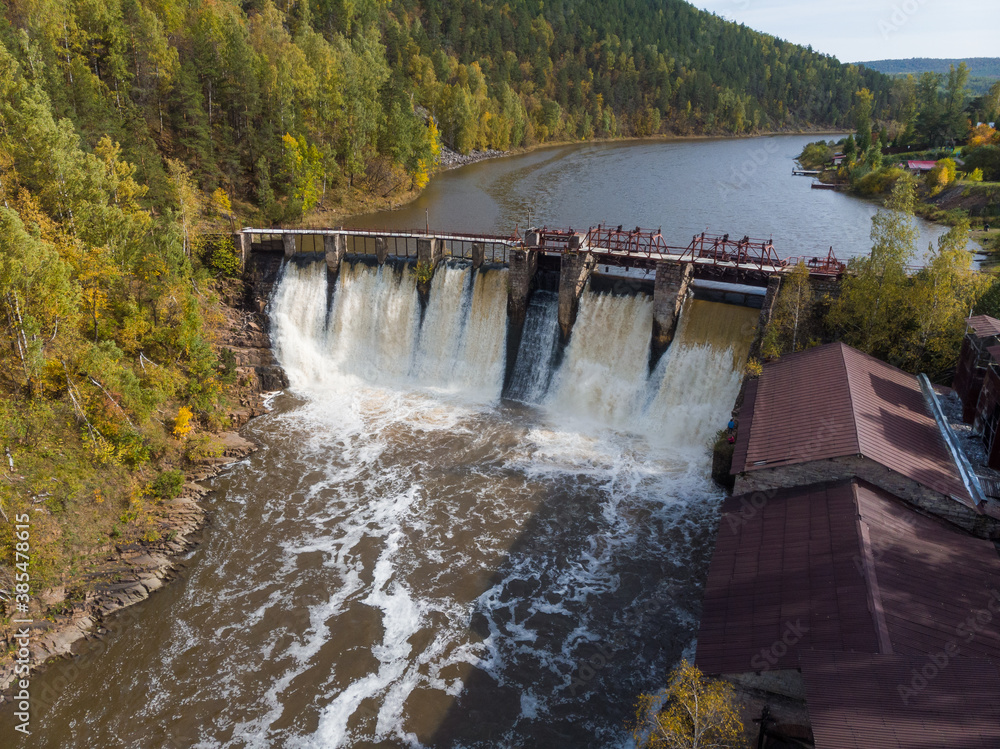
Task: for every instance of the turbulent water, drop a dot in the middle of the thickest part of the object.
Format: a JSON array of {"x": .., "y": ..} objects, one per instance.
[{"x": 414, "y": 558}]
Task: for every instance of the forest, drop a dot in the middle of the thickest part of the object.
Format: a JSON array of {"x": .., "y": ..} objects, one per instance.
[{"x": 134, "y": 134}]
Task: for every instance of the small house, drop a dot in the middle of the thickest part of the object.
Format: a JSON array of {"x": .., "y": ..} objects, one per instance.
[{"x": 831, "y": 413}]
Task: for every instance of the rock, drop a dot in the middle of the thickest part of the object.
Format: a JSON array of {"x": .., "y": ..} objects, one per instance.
[{"x": 52, "y": 596}]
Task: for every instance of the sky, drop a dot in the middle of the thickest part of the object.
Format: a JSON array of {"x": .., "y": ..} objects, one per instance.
[{"x": 860, "y": 30}]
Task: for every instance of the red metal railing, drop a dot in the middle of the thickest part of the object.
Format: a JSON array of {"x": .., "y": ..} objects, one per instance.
[{"x": 821, "y": 266}]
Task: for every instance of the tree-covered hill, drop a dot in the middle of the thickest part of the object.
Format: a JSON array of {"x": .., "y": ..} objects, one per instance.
[
  {"x": 277, "y": 104},
  {"x": 985, "y": 67}
]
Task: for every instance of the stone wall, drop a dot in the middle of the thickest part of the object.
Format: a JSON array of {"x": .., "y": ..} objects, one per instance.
[
  {"x": 836, "y": 469},
  {"x": 522, "y": 265}
]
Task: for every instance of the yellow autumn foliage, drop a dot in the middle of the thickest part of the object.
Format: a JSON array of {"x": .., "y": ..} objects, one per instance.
[
  {"x": 692, "y": 712},
  {"x": 182, "y": 424}
]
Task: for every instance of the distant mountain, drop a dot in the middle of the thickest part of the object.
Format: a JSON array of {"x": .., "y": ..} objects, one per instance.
[
  {"x": 983, "y": 71},
  {"x": 979, "y": 67}
]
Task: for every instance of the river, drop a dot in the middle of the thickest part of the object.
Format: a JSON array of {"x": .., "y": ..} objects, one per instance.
[
  {"x": 415, "y": 557},
  {"x": 735, "y": 186}
]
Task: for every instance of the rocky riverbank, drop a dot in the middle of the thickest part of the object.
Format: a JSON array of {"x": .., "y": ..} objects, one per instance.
[
  {"x": 449, "y": 159},
  {"x": 128, "y": 573}
]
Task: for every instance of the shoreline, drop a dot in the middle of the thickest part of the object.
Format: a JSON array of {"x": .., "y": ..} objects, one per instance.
[
  {"x": 329, "y": 217},
  {"x": 128, "y": 574}
]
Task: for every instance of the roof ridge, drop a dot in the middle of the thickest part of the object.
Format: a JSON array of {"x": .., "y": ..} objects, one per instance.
[
  {"x": 850, "y": 391},
  {"x": 873, "y": 591}
]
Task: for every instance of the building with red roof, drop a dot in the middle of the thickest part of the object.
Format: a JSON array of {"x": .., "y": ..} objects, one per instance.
[{"x": 832, "y": 413}]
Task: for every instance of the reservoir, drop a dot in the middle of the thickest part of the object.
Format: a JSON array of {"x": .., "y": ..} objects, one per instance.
[{"x": 419, "y": 557}]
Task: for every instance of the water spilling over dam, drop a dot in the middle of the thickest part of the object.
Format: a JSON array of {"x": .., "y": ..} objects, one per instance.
[{"x": 419, "y": 557}]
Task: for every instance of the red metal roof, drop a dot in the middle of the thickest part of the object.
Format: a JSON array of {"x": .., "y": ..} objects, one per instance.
[
  {"x": 860, "y": 701},
  {"x": 850, "y": 566},
  {"x": 921, "y": 165},
  {"x": 834, "y": 401},
  {"x": 983, "y": 326}
]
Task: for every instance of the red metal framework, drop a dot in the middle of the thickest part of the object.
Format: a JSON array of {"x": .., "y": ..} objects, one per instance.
[
  {"x": 821, "y": 266},
  {"x": 629, "y": 241},
  {"x": 758, "y": 254}
]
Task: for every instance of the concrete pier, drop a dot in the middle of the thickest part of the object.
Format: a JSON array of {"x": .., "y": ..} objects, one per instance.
[
  {"x": 573, "y": 274},
  {"x": 522, "y": 266},
  {"x": 288, "y": 243},
  {"x": 429, "y": 252},
  {"x": 334, "y": 247},
  {"x": 478, "y": 256},
  {"x": 669, "y": 290},
  {"x": 381, "y": 250}
]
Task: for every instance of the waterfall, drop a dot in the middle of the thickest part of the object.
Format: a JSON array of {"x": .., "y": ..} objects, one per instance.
[
  {"x": 604, "y": 376},
  {"x": 537, "y": 353},
  {"x": 373, "y": 334}
]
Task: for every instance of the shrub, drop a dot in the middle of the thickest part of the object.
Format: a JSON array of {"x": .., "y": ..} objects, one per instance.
[
  {"x": 182, "y": 424},
  {"x": 167, "y": 485},
  {"x": 224, "y": 257},
  {"x": 880, "y": 182}
]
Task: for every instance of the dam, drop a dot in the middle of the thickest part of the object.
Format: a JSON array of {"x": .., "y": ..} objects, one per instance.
[
  {"x": 719, "y": 267},
  {"x": 439, "y": 543}
]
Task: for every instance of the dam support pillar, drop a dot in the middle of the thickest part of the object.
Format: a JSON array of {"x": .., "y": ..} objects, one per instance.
[
  {"x": 522, "y": 265},
  {"x": 573, "y": 274},
  {"x": 429, "y": 254},
  {"x": 241, "y": 242},
  {"x": 381, "y": 250},
  {"x": 669, "y": 291},
  {"x": 334, "y": 248},
  {"x": 288, "y": 243},
  {"x": 766, "y": 311},
  {"x": 478, "y": 256}
]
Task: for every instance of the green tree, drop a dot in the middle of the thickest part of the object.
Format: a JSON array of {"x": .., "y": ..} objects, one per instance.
[
  {"x": 866, "y": 315},
  {"x": 863, "y": 118},
  {"x": 789, "y": 328},
  {"x": 943, "y": 294}
]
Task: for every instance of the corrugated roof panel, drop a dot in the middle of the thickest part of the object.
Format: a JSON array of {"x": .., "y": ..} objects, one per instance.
[
  {"x": 983, "y": 326},
  {"x": 801, "y": 557},
  {"x": 834, "y": 401},
  {"x": 859, "y": 701}
]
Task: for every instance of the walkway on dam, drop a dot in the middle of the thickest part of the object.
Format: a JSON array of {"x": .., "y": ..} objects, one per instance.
[
  {"x": 637, "y": 248},
  {"x": 564, "y": 259}
]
